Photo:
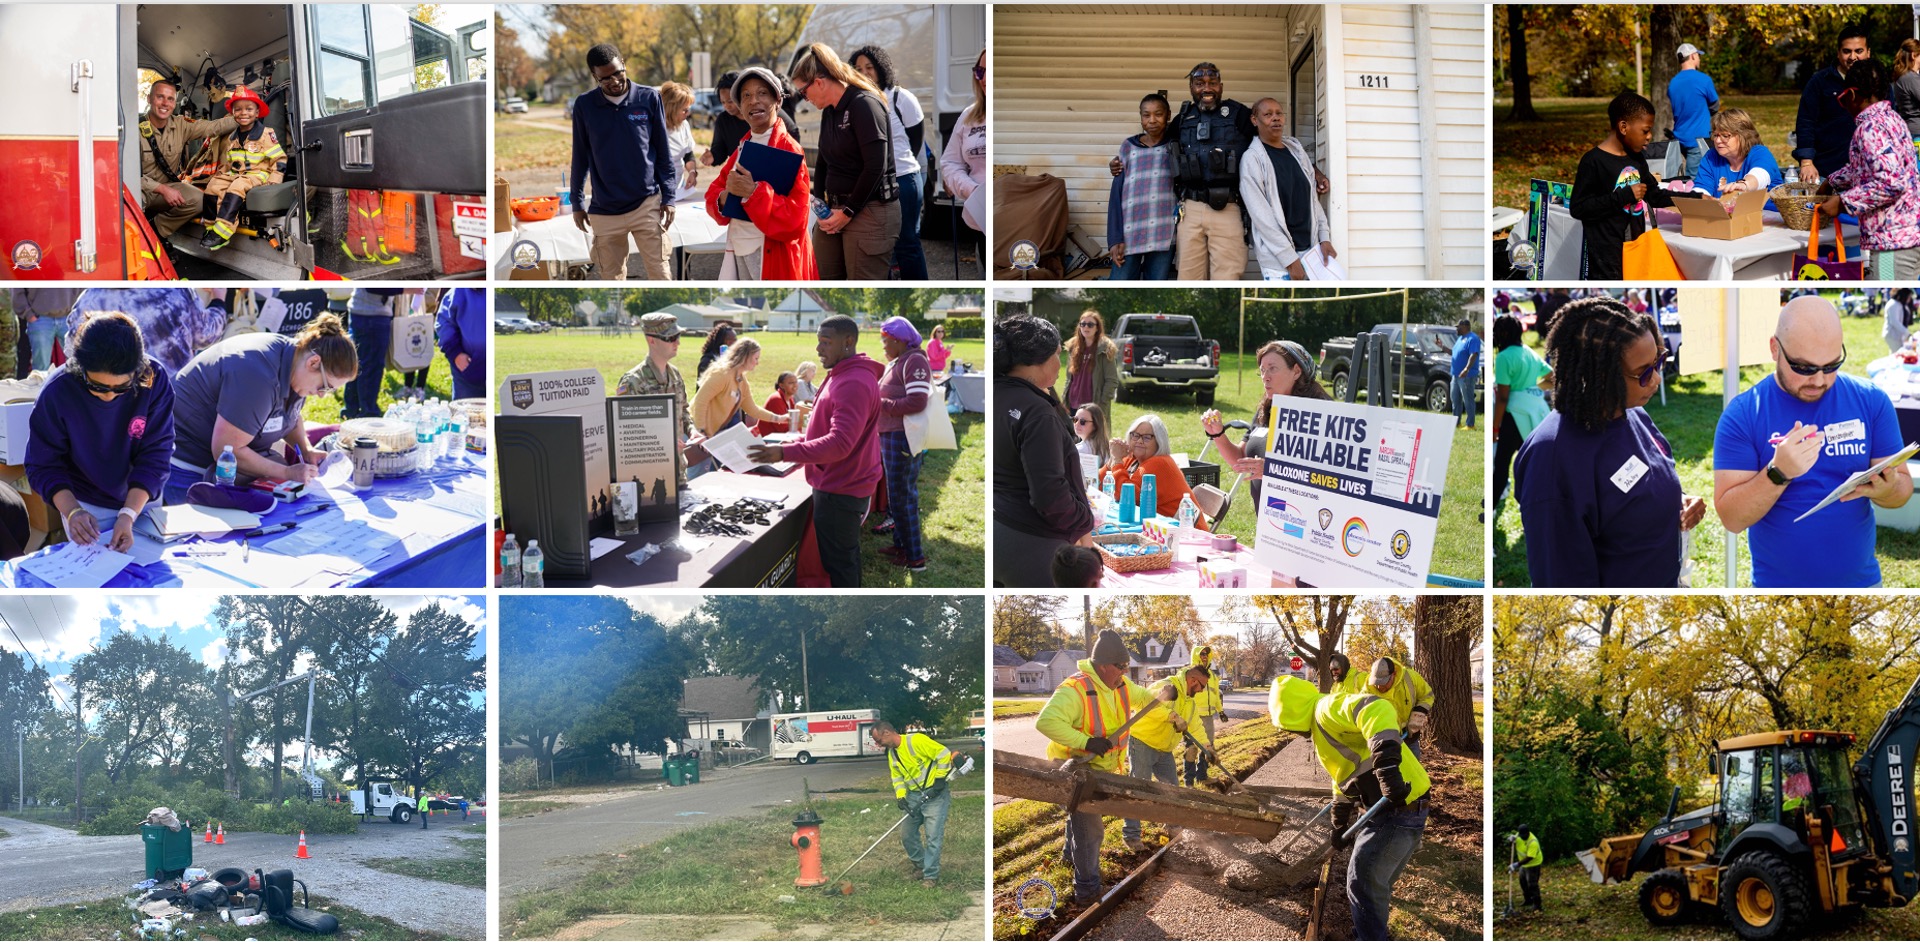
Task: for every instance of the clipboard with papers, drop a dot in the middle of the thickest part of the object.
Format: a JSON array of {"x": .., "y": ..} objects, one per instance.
[
  {"x": 769, "y": 165},
  {"x": 1897, "y": 458}
]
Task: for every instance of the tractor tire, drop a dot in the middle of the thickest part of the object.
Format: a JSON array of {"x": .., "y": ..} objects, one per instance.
[
  {"x": 1663, "y": 898},
  {"x": 1765, "y": 897},
  {"x": 1340, "y": 386},
  {"x": 400, "y": 814},
  {"x": 1439, "y": 397},
  {"x": 1203, "y": 398}
]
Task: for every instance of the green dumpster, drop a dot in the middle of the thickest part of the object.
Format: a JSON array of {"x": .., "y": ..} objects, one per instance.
[
  {"x": 693, "y": 769},
  {"x": 169, "y": 852},
  {"x": 671, "y": 766}
]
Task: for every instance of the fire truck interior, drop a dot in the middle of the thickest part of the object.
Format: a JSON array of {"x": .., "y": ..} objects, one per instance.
[{"x": 373, "y": 156}]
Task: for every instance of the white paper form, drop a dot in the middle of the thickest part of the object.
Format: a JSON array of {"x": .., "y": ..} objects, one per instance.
[
  {"x": 259, "y": 567},
  {"x": 336, "y": 471},
  {"x": 144, "y": 549},
  {"x": 730, "y": 445},
  {"x": 73, "y": 566},
  {"x": 172, "y": 523},
  {"x": 339, "y": 543},
  {"x": 601, "y": 546},
  {"x": 1897, "y": 458}
]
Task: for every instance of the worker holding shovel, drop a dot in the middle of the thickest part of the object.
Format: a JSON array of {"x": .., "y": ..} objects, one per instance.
[
  {"x": 1357, "y": 740},
  {"x": 920, "y": 766},
  {"x": 1161, "y": 732},
  {"x": 1086, "y": 722},
  {"x": 1527, "y": 851}
]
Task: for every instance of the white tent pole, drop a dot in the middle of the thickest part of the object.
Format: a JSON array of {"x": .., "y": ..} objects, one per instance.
[{"x": 1729, "y": 388}]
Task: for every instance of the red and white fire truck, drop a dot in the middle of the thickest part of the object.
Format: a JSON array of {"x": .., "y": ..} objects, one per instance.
[{"x": 382, "y": 115}]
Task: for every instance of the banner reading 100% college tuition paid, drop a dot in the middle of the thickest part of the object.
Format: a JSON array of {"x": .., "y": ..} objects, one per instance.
[{"x": 1351, "y": 495}]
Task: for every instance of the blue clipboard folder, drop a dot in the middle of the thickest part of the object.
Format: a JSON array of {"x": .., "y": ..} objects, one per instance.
[{"x": 769, "y": 165}]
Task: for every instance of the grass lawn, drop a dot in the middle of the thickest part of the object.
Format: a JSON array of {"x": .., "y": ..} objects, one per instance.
[
  {"x": 522, "y": 809},
  {"x": 1006, "y": 709},
  {"x": 745, "y": 867},
  {"x": 111, "y": 919},
  {"x": 467, "y": 869},
  {"x": 325, "y": 410},
  {"x": 1688, "y": 420},
  {"x": 1460, "y": 548},
  {"x": 1028, "y": 838},
  {"x": 952, "y": 483},
  {"x": 1577, "y": 908},
  {"x": 523, "y": 143},
  {"x": 1550, "y": 148}
]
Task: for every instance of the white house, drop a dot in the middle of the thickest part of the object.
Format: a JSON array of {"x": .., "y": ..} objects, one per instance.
[
  {"x": 1048, "y": 669},
  {"x": 1389, "y": 98},
  {"x": 725, "y": 707},
  {"x": 800, "y": 311},
  {"x": 1006, "y": 667},
  {"x": 705, "y": 316},
  {"x": 1151, "y": 660},
  {"x": 955, "y": 305}
]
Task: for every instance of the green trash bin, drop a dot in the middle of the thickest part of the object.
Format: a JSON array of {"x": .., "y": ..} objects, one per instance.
[
  {"x": 671, "y": 766},
  {"x": 169, "y": 852},
  {"x": 693, "y": 769}
]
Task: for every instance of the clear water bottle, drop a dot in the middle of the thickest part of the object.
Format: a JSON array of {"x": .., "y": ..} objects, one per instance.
[
  {"x": 423, "y": 430},
  {"x": 226, "y": 471},
  {"x": 509, "y": 563},
  {"x": 533, "y": 567},
  {"x": 1106, "y": 486},
  {"x": 457, "y": 433}
]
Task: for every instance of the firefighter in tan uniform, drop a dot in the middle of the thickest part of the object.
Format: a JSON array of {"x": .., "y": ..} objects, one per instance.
[
  {"x": 250, "y": 156},
  {"x": 166, "y": 158}
]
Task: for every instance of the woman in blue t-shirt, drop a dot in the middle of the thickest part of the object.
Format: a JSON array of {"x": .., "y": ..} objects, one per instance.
[
  {"x": 1738, "y": 161},
  {"x": 1599, "y": 495}
]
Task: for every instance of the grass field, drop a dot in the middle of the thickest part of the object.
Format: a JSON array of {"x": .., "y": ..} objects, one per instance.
[
  {"x": 522, "y": 142},
  {"x": 1006, "y": 709},
  {"x": 1688, "y": 419},
  {"x": 1460, "y": 548},
  {"x": 467, "y": 869},
  {"x": 1574, "y": 907},
  {"x": 111, "y": 919},
  {"x": 1550, "y": 148},
  {"x": 952, "y": 483},
  {"x": 745, "y": 867}
]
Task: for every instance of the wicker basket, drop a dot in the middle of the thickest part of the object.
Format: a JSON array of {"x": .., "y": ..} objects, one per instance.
[
  {"x": 1141, "y": 563},
  {"x": 1797, "y": 203}
]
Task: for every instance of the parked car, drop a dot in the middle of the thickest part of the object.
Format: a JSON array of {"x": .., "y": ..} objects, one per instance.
[
  {"x": 706, "y": 107},
  {"x": 516, "y": 106},
  {"x": 515, "y": 324},
  {"x": 1420, "y": 367},
  {"x": 1166, "y": 351}
]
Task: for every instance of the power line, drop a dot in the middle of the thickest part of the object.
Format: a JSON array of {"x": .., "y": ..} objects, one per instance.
[{"x": 24, "y": 650}]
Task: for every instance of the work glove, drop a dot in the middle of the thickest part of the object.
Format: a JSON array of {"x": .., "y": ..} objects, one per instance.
[
  {"x": 1386, "y": 772},
  {"x": 937, "y": 789},
  {"x": 1099, "y": 745},
  {"x": 1343, "y": 812},
  {"x": 1417, "y": 721},
  {"x": 1513, "y": 868},
  {"x": 1179, "y": 724},
  {"x": 902, "y": 805}
]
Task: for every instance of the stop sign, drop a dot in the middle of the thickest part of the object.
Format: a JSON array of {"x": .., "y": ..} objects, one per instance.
[{"x": 1296, "y": 663}]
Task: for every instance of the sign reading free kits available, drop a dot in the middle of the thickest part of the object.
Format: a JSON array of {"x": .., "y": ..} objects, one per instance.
[{"x": 1351, "y": 494}]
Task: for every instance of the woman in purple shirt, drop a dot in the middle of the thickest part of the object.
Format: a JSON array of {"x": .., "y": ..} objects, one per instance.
[
  {"x": 1599, "y": 493},
  {"x": 101, "y": 434}
]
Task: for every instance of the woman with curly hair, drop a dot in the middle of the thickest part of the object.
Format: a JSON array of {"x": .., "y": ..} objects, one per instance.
[
  {"x": 1599, "y": 494},
  {"x": 1039, "y": 498}
]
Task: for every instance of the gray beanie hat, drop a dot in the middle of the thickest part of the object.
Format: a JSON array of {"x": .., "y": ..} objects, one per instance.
[
  {"x": 1109, "y": 649},
  {"x": 764, "y": 75}
]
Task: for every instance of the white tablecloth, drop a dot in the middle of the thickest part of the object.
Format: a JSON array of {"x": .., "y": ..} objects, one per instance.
[
  {"x": 561, "y": 241},
  {"x": 1763, "y": 256}
]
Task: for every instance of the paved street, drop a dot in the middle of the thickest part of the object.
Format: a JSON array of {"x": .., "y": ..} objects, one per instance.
[
  {"x": 42, "y": 865},
  {"x": 544, "y": 850}
]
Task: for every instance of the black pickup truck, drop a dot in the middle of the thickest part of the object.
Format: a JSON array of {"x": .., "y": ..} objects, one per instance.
[
  {"x": 1166, "y": 351},
  {"x": 1422, "y": 364}
]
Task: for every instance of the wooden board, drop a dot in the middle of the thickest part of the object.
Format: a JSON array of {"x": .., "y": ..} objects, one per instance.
[{"x": 1106, "y": 793}]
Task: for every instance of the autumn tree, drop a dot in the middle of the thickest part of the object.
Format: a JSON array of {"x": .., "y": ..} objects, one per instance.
[
  {"x": 1325, "y": 616},
  {"x": 1445, "y": 629},
  {"x": 1028, "y": 624}
]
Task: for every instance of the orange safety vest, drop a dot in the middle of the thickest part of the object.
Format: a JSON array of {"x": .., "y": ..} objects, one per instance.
[{"x": 1092, "y": 721}]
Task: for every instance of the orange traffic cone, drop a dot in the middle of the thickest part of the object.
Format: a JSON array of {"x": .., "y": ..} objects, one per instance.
[
  {"x": 221, "y": 838},
  {"x": 209, "y": 838},
  {"x": 302, "y": 854}
]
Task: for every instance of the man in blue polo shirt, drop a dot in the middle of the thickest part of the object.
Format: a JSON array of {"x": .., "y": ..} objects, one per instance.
[
  {"x": 1694, "y": 99},
  {"x": 1792, "y": 438},
  {"x": 1466, "y": 370},
  {"x": 620, "y": 138}
]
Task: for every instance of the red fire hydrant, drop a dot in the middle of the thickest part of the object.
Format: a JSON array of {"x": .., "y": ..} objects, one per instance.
[{"x": 806, "y": 838}]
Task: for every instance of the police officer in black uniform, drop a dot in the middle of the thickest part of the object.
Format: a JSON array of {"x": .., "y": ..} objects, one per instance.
[{"x": 1210, "y": 135}]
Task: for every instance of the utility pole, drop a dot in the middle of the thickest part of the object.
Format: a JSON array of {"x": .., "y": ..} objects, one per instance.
[
  {"x": 806, "y": 688},
  {"x": 79, "y": 739},
  {"x": 1086, "y": 623},
  {"x": 22, "y": 800}
]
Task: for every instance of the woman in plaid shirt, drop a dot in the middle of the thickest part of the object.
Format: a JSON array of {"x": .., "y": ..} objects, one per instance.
[{"x": 1141, "y": 209}]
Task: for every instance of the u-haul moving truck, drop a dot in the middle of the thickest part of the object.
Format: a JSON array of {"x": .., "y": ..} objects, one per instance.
[{"x": 805, "y": 737}]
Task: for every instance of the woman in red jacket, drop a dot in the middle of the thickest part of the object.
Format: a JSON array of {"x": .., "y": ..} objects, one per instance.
[{"x": 771, "y": 244}]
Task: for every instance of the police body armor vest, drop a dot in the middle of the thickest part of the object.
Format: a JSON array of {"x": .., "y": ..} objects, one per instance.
[{"x": 1207, "y": 165}]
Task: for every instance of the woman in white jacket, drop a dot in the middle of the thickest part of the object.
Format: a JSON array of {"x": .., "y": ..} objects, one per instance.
[
  {"x": 1274, "y": 244},
  {"x": 963, "y": 167}
]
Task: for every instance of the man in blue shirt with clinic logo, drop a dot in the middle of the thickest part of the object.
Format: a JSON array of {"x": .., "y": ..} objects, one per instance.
[
  {"x": 1692, "y": 95},
  {"x": 1792, "y": 438}
]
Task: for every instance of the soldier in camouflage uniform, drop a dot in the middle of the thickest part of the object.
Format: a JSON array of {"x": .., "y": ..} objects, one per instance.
[{"x": 656, "y": 376}]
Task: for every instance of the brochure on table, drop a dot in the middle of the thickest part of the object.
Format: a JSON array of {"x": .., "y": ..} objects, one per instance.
[
  {"x": 642, "y": 445},
  {"x": 1351, "y": 494}
]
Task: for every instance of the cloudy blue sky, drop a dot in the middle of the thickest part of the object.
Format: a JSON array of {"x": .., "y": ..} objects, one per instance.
[{"x": 55, "y": 629}]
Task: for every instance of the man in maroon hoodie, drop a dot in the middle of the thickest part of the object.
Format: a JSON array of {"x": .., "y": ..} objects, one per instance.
[{"x": 841, "y": 450}]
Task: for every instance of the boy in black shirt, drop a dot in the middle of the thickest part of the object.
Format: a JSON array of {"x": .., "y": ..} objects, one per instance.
[{"x": 1614, "y": 187}]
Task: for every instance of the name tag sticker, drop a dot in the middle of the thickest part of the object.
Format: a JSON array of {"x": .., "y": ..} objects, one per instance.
[
  {"x": 1629, "y": 474},
  {"x": 274, "y": 425},
  {"x": 1851, "y": 430}
]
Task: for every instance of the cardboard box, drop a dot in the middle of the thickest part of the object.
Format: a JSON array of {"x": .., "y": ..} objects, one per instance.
[
  {"x": 1222, "y": 574},
  {"x": 502, "y": 205},
  {"x": 1711, "y": 219},
  {"x": 13, "y": 431}
]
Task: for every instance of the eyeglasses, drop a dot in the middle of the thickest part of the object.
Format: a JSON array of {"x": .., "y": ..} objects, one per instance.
[
  {"x": 1647, "y": 376},
  {"x": 105, "y": 390},
  {"x": 328, "y": 384},
  {"x": 979, "y": 73},
  {"x": 1082, "y": 420},
  {"x": 613, "y": 79},
  {"x": 1093, "y": 324},
  {"x": 1142, "y": 438},
  {"x": 1809, "y": 369}
]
